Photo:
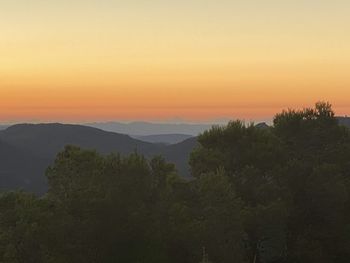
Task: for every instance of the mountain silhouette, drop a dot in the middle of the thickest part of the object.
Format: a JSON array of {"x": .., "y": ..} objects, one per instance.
[
  {"x": 148, "y": 128},
  {"x": 21, "y": 170},
  {"x": 26, "y": 150},
  {"x": 49, "y": 139},
  {"x": 164, "y": 138},
  {"x": 344, "y": 121}
]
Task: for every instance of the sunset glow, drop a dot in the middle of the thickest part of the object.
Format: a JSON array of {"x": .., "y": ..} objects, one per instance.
[{"x": 197, "y": 60}]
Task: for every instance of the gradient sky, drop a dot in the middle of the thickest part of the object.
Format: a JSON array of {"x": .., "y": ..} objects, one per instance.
[{"x": 90, "y": 60}]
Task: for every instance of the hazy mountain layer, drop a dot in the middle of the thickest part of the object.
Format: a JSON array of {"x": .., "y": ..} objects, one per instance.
[
  {"x": 26, "y": 150},
  {"x": 146, "y": 128},
  {"x": 163, "y": 138}
]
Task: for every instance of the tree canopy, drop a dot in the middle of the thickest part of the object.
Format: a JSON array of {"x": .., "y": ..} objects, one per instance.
[{"x": 258, "y": 195}]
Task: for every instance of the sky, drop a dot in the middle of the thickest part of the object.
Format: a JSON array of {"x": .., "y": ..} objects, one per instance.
[{"x": 196, "y": 60}]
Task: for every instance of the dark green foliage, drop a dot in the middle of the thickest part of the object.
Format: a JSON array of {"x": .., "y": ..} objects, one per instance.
[
  {"x": 259, "y": 195},
  {"x": 102, "y": 209},
  {"x": 251, "y": 159},
  {"x": 293, "y": 180}
]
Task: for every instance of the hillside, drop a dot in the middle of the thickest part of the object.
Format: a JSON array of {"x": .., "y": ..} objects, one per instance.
[
  {"x": 20, "y": 170},
  {"x": 164, "y": 138},
  {"x": 147, "y": 128},
  {"x": 48, "y": 139},
  {"x": 344, "y": 121},
  {"x": 179, "y": 154},
  {"x": 26, "y": 150}
]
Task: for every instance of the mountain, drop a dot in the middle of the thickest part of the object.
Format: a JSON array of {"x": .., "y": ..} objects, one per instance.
[
  {"x": 344, "y": 121},
  {"x": 48, "y": 139},
  {"x": 26, "y": 150},
  {"x": 146, "y": 128},
  {"x": 180, "y": 153},
  {"x": 262, "y": 125},
  {"x": 3, "y": 127},
  {"x": 20, "y": 170},
  {"x": 163, "y": 138}
]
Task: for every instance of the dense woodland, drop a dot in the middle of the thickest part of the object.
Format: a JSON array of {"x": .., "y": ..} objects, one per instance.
[{"x": 277, "y": 194}]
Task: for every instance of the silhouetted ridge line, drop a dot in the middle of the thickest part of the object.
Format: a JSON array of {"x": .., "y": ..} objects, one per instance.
[{"x": 40, "y": 143}]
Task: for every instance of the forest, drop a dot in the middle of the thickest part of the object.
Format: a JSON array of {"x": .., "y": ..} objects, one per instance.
[{"x": 277, "y": 194}]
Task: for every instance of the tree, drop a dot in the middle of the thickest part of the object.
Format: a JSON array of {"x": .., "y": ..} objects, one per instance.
[
  {"x": 278, "y": 194},
  {"x": 251, "y": 158},
  {"x": 314, "y": 181},
  {"x": 293, "y": 182}
]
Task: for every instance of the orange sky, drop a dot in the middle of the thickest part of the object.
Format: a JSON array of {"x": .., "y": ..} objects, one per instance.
[{"x": 197, "y": 60}]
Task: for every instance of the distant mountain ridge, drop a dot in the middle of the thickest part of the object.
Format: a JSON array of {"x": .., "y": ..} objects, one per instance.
[
  {"x": 163, "y": 138},
  {"x": 48, "y": 139},
  {"x": 20, "y": 170},
  {"x": 344, "y": 121},
  {"x": 26, "y": 150},
  {"x": 147, "y": 128}
]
